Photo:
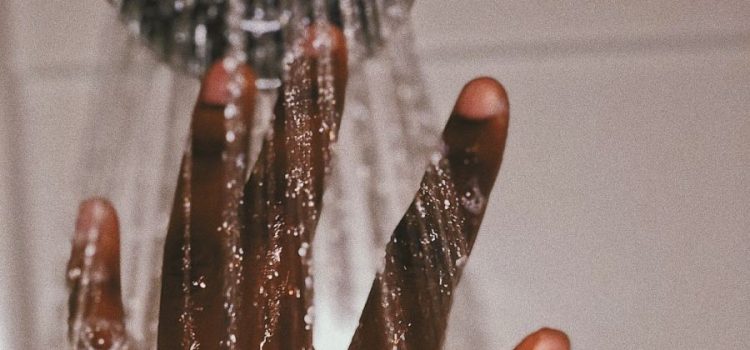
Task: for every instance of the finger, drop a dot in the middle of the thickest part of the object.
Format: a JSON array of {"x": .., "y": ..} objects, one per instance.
[
  {"x": 191, "y": 311},
  {"x": 306, "y": 117},
  {"x": 95, "y": 318},
  {"x": 410, "y": 300},
  {"x": 475, "y": 140},
  {"x": 283, "y": 196},
  {"x": 208, "y": 118},
  {"x": 545, "y": 339}
]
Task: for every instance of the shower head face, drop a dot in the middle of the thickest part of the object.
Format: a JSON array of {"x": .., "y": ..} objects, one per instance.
[{"x": 191, "y": 34}]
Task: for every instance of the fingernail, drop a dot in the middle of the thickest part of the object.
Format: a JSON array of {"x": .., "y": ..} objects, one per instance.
[{"x": 482, "y": 98}]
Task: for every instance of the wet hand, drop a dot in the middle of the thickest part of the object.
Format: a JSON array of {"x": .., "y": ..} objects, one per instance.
[{"x": 277, "y": 227}]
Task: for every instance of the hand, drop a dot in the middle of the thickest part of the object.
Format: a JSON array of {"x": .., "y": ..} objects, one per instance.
[{"x": 276, "y": 227}]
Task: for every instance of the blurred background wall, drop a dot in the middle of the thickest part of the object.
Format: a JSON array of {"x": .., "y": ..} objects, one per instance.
[{"x": 621, "y": 212}]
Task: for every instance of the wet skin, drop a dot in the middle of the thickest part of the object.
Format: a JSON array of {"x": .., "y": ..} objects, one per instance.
[{"x": 479, "y": 122}]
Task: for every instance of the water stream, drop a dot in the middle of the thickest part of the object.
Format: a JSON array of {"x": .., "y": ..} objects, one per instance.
[{"x": 268, "y": 226}]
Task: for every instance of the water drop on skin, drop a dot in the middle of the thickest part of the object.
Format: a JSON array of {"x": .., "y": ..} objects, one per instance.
[
  {"x": 74, "y": 274},
  {"x": 303, "y": 249},
  {"x": 230, "y": 112}
]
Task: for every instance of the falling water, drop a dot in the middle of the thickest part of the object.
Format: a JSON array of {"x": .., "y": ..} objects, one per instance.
[
  {"x": 234, "y": 157},
  {"x": 189, "y": 341},
  {"x": 133, "y": 166},
  {"x": 82, "y": 276},
  {"x": 373, "y": 170},
  {"x": 389, "y": 130}
]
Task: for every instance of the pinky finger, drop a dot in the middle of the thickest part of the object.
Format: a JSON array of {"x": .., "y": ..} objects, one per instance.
[{"x": 95, "y": 319}]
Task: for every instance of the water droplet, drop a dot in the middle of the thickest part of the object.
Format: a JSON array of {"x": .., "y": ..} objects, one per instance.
[
  {"x": 90, "y": 249},
  {"x": 230, "y": 137},
  {"x": 303, "y": 249},
  {"x": 74, "y": 274},
  {"x": 231, "y": 111}
]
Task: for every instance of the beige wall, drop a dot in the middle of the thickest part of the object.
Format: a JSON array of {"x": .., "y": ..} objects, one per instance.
[{"x": 621, "y": 211}]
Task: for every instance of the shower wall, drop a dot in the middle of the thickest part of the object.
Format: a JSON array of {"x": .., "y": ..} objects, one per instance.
[{"x": 620, "y": 214}]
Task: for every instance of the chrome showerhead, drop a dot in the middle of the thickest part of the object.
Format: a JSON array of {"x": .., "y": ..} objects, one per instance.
[{"x": 191, "y": 34}]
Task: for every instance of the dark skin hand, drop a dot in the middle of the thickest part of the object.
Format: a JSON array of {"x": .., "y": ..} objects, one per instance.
[{"x": 479, "y": 122}]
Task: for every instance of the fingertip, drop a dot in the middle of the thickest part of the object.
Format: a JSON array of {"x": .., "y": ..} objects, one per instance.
[
  {"x": 545, "y": 339},
  {"x": 99, "y": 214},
  {"x": 90, "y": 213},
  {"x": 215, "y": 86},
  {"x": 552, "y": 339},
  {"x": 95, "y": 211},
  {"x": 209, "y": 114},
  {"x": 333, "y": 37},
  {"x": 338, "y": 45},
  {"x": 481, "y": 99},
  {"x": 334, "y": 40},
  {"x": 479, "y": 120},
  {"x": 320, "y": 53}
]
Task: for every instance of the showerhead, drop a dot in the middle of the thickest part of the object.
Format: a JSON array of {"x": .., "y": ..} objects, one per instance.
[{"x": 191, "y": 34}]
